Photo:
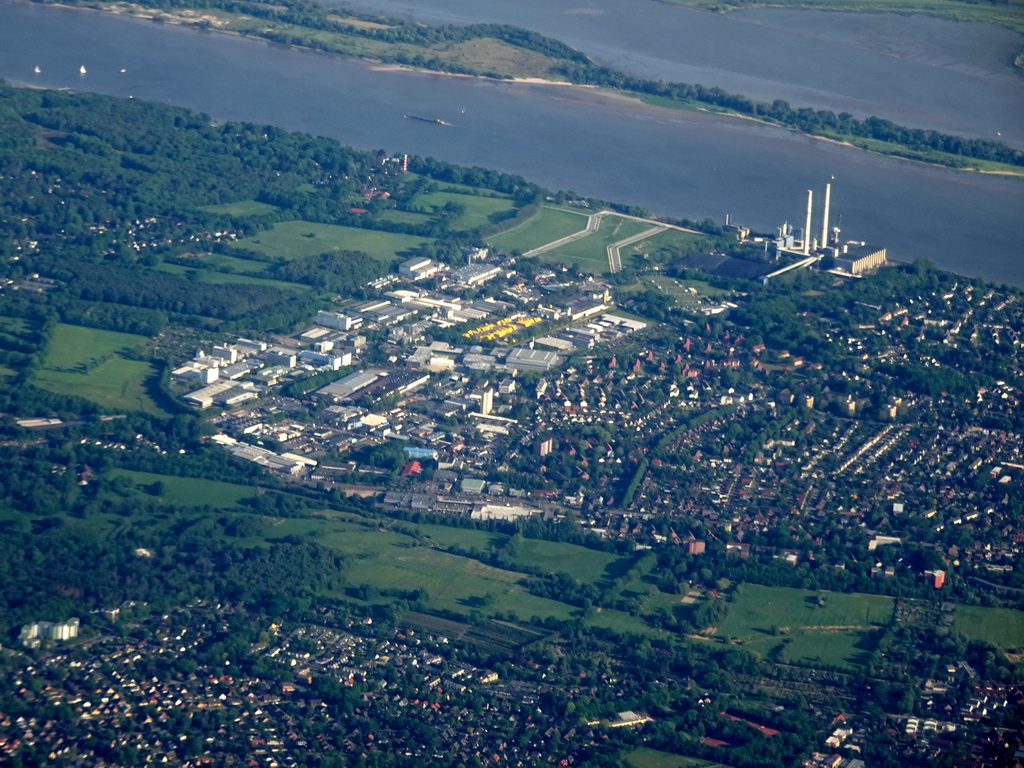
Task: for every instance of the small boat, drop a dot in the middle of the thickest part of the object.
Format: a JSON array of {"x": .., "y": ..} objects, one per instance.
[
  {"x": 38, "y": 71},
  {"x": 81, "y": 70},
  {"x": 435, "y": 120},
  {"x": 123, "y": 71}
]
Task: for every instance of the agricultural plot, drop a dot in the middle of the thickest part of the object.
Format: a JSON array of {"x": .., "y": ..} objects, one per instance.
[
  {"x": 590, "y": 253},
  {"x": 792, "y": 623},
  {"x": 502, "y": 637},
  {"x": 88, "y": 363},
  {"x": 295, "y": 239},
  {"x": 548, "y": 225},
  {"x": 1002, "y": 627},
  {"x": 478, "y": 209},
  {"x": 187, "y": 491}
]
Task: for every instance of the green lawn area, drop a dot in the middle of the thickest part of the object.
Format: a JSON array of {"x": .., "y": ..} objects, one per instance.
[
  {"x": 241, "y": 208},
  {"x": 404, "y": 217},
  {"x": 839, "y": 633},
  {"x": 87, "y": 362},
  {"x": 679, "y": 290},
  {"x": 190, "y": 491},
  {"x": 479, "y": 209},
  {"x": 581, "y": 563},
  {"x": 618, "y": 621},
  {"x": 1003, "y": 627},
  {"x": 548, "y": 225},
  {"x": 234, "y": 264},
  {"x": 655, "y": 758},
  {"x": 291, "y": 240},
  {"x": 590, "y": 252},
  {"x": 213, "y": 277}
]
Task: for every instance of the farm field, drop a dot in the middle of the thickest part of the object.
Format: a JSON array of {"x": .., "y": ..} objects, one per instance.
[
  {"x": 1003, "y": 627},
  {"x": 291, "y": 240},
  {"x": 548, "y": 225},
  {"x": 790, "y": 622},
  {"x": 241, "y": 208},
  {"x": 404, "y": 217},
  {"x": 189, "y": 491},
  {"x": 478, "y": 208},
  {"x": 582, "y": 564},
  {"x": 87, "y": 363},
  {"x": 590, "y": 252}
]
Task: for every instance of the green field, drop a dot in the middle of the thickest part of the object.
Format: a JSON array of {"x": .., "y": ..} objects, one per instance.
[
  {"x": 214, "y": 277},
  {"x": 479, "y": 209},
  {"x": 291, "y": 240},
  {"x": 87, "y": 362},
  {"x": 548, "y": 225},
  {"x": 672, "y": 237},
  {"x": 190, "y": 491},
  {"x": 654, "y": 758},
  {"x": 582, "y": 564},
  {"x": 590, "y": 252},
  {"x": 790, "y": 623},
  {"x": 1002, "y": 627},
  {"x": 241, "y": 208}
]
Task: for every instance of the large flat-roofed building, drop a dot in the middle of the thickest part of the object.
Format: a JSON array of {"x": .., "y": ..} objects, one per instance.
[
  {"x": 418, "y": 267},
  {"x": 344, "y": 387},
  {"x": 858, "y": 259},
  {"x": 531, "y": 359},
  {"x": 475, "y": 274}
]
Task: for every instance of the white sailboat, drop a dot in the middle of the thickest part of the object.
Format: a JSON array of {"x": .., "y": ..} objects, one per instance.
[
  {"x": 38, "y": 71},
  {"x": 81, "y": 70}
]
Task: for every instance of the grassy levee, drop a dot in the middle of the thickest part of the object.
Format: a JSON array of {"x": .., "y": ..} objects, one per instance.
[
  {"x": 88, "y": 363},
  {"x": 790, "y": 623},
  {"x": 548, "y": 225},
  {"x": 1002, "y": 627},
  {"x": 590, "y": 253},
  {"x": 296, "y": 239}
]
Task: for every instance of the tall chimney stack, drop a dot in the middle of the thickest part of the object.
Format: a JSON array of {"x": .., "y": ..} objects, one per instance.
[
  {"x": 824, "y": 223},
  {"x": 807, "y": 226}
]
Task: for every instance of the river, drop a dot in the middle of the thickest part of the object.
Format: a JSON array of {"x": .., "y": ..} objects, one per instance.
[
  {"x": 955, "y": 77},
  {"x": 676, "y": 163}
]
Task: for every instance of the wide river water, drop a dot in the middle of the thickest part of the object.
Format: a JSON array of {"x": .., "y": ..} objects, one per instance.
[
  {"x": 929, "y": 73},
  {"x": 676, "y": 163}
]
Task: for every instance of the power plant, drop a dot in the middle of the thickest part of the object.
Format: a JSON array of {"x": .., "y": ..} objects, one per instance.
[{"x": 851, "y": 258}]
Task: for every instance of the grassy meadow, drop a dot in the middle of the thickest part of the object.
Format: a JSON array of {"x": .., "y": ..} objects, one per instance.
[
  {"x": 295, "y": 239},
  {"x": 88, "y": 363},
  {"x": 790, "y": 623},
  {"x": 1002, "y": 627}
]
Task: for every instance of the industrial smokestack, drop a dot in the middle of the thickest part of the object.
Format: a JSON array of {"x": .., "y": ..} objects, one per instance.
[
  {"x": 807, "y": 226},
  {"x": 824, "y": 223}
]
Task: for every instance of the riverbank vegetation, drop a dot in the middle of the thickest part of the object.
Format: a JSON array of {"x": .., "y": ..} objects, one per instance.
[
  {"x": 1005, "y": 13},
  {"x": 503, "y": 52}
]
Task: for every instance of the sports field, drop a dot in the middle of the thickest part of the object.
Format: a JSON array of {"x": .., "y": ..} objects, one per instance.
[
  {"x": 791, "y": 622},
  {"x": 548, "y": 225},
  {"x": 654, "y": 758},
  {"x": 295, "y": 239},
  {"x": 1003, "y": 627},
  {"x": 87, "y": 362}
]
